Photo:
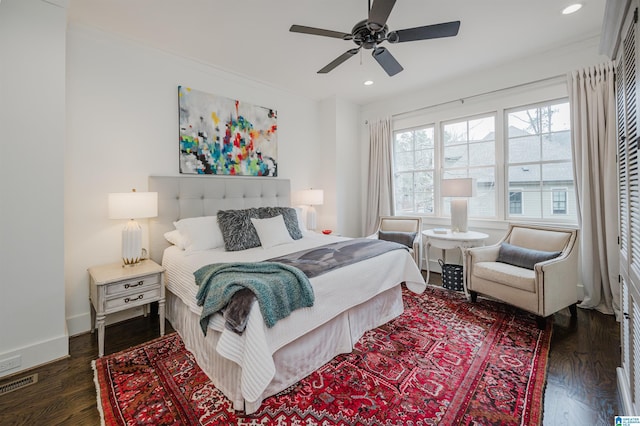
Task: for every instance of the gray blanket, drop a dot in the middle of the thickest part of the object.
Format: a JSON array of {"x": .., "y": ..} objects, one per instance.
[
  {"x": 319, "y": 260},
  {"x": 279, "y": 288}
]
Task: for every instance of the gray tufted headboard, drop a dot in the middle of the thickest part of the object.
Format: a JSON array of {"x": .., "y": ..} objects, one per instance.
[{"x": 180, "y": 197}]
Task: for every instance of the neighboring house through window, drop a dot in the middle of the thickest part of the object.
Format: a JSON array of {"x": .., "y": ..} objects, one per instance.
[
  {"x": 470, "y": 151},
  {"x": 539, "y": 160},
  {"x": 523, "y": 170}
]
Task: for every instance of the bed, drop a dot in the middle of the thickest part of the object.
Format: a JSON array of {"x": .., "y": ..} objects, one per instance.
[{"x": 263, "y": 361}]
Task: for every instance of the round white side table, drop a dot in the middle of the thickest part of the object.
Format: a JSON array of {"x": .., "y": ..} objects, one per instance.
[{"x": 451, "y": 240}]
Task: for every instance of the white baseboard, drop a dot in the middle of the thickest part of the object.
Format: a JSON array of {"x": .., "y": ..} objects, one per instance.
[
  {"x": 37, "y": 354},
  {"x": 80, "y": 324}
]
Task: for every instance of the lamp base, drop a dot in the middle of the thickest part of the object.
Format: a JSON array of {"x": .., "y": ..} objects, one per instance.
[
  {"x": 459, "y": 215},
  {"x": 131, "y": 243},
  {"x": 311, "y": 218}
]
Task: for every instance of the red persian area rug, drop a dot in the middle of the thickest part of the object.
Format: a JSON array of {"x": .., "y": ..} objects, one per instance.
[{"x": 444, "y": 361}]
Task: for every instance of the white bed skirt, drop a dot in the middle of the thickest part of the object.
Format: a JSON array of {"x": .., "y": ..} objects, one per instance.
[{"x": 293, "y": 361}]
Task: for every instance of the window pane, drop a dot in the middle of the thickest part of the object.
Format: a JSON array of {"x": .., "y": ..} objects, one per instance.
[
  {"x": 455, "y": 156},
  {"x": 455, "y": 133},
  {"x": 484, "y": 202},
  {"x": 540, "y": 161},
  {"x": 424, "y": 138},
  {"x": 404, "y": 161},
  {"x": 424, "y": 159},
  {"x": 482, "y": 129},
  {"x": 557, "y": 174},
  {"x": 523, "y": 123},
  {"x": 423, "y": 182},
  {"x": 524, "y": 149},
  {"x": 482, "y": 154},
  {"x": 526, "y": 177},
  {"x": 413, "y": 164},
  {"x": 403, "y": 142},
  {"x": 557, "y": 146},
  {"x": 560, "y": 117},
  {"x": 424, "y": 203}
]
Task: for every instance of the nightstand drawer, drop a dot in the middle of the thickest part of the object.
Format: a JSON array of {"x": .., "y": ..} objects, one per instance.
[
  {"x": 136, "y": 285},
  {"x": 134, "y": 299}
]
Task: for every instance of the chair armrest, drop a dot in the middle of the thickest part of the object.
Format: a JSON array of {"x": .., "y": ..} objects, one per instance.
[{"x": 483, "y": 254}]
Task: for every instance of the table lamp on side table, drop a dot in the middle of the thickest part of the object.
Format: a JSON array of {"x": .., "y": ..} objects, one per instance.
[
  {"x": 460, "y": 190},
  {"x": 311, "y": 198},
  {"x": 132, "y": 205}
]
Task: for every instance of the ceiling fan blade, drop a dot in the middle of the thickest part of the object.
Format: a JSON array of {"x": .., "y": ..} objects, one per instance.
[
  {"x": 386, "y": 61},
  {"x": 340, "y": 59},
  {"x": 318, "y": 31},
  {"x": 445, "y": 29},
  {"x": 379, "y": 13}
]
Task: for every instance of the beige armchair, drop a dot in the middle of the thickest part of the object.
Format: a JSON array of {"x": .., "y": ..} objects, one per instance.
[
  {"x": 405, "y": 225},
  {"x": 549, "y": 286}
]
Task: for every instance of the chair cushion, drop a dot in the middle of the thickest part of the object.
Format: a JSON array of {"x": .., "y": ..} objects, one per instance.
[
  {"x": 405, "y": 238},
  {"x": 523, "y": 257},
  {"x": 509, "y": 275}
]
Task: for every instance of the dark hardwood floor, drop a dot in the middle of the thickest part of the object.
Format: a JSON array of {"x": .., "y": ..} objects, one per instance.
[{"x": 581, "y": 380}]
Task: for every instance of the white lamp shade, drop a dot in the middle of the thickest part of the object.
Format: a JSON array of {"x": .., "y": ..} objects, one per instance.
[
  {"x": 133, "y": 205},
  {"x": 460, "y": 187},
  {"x": 311, "y": 197}
]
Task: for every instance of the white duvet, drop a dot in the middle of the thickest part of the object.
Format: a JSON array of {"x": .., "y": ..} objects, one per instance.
[{"x": 335, "y": 292}]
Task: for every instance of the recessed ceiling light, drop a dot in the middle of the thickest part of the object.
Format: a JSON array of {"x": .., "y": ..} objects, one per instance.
[
  {"x": 368, "y": 83},
  {"x": 572, "y": 8}
]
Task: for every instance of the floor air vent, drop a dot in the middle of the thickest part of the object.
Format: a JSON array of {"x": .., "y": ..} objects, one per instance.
[{"x": 18, "y": 384}]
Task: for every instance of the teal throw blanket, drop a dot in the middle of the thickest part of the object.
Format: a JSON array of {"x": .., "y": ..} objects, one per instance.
[{"x": 279, "y": 289}]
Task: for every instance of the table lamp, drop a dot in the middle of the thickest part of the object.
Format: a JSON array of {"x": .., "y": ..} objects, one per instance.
[
  {"x": 459, "y": 190},
  {"x": 132, "y": 205},
  {"x": 311, "y": 198}
]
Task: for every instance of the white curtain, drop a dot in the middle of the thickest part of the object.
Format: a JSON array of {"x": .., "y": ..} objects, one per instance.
[
  {"x": 593, "y": 124},
  {"x": 380, "y": 181}
]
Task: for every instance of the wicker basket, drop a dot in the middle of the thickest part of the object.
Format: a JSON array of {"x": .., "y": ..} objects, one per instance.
[{"x": 451, "y": 276}]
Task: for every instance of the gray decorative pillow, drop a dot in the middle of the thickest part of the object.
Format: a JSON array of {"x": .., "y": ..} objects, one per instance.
[
  {"x": 238, "y": 232},
  {"x": 523, "y": 257},
  {"x": 288, "y": 214},
  {"x": 405, "y": 238}
]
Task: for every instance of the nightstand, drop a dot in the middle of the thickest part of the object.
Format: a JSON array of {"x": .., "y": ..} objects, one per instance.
[{"x": 114, "y": 288}]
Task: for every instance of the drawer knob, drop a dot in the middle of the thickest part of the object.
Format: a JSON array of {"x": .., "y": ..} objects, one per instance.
[
  {"x": 139, "y": 283},
  {"x": 127, "y": 299}
]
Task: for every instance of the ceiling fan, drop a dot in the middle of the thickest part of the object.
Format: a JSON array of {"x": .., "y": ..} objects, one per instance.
[{"x": 369, "y": 33}]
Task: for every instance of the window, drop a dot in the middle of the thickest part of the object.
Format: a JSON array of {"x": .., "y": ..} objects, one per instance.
[
  {"x": 413, "y": 167},
  {"x": 515, "y": 202},
  {"x": 559, "y": 201},
  {"x": 469, "y": 148},
  {"x": 539, "y": 160}
]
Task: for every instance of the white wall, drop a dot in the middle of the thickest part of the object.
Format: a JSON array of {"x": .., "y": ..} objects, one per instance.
[
  {"x": 32, "y": 142},
  {"x": 122, "y": 109}
]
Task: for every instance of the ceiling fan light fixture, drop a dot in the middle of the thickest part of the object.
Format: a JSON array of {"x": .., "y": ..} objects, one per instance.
[
  {"x": 369, "y": 33},
  {"x": 572, "y": 8}
]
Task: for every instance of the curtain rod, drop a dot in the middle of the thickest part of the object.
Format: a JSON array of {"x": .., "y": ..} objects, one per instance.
[{"x": 477, "y": 95}]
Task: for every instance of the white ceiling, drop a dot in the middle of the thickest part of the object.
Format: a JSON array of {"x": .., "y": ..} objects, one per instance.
[{"x": 251, "y": 38}]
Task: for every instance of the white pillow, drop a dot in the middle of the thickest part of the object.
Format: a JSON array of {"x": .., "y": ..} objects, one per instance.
[
  {"x": 272, "y": 231},
  {"x": 175, "y": 238},
  {"x": 200, "y": 233}
]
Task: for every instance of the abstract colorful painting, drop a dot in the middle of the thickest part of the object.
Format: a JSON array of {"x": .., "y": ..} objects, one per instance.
[{"x": 222, "y": 136}]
